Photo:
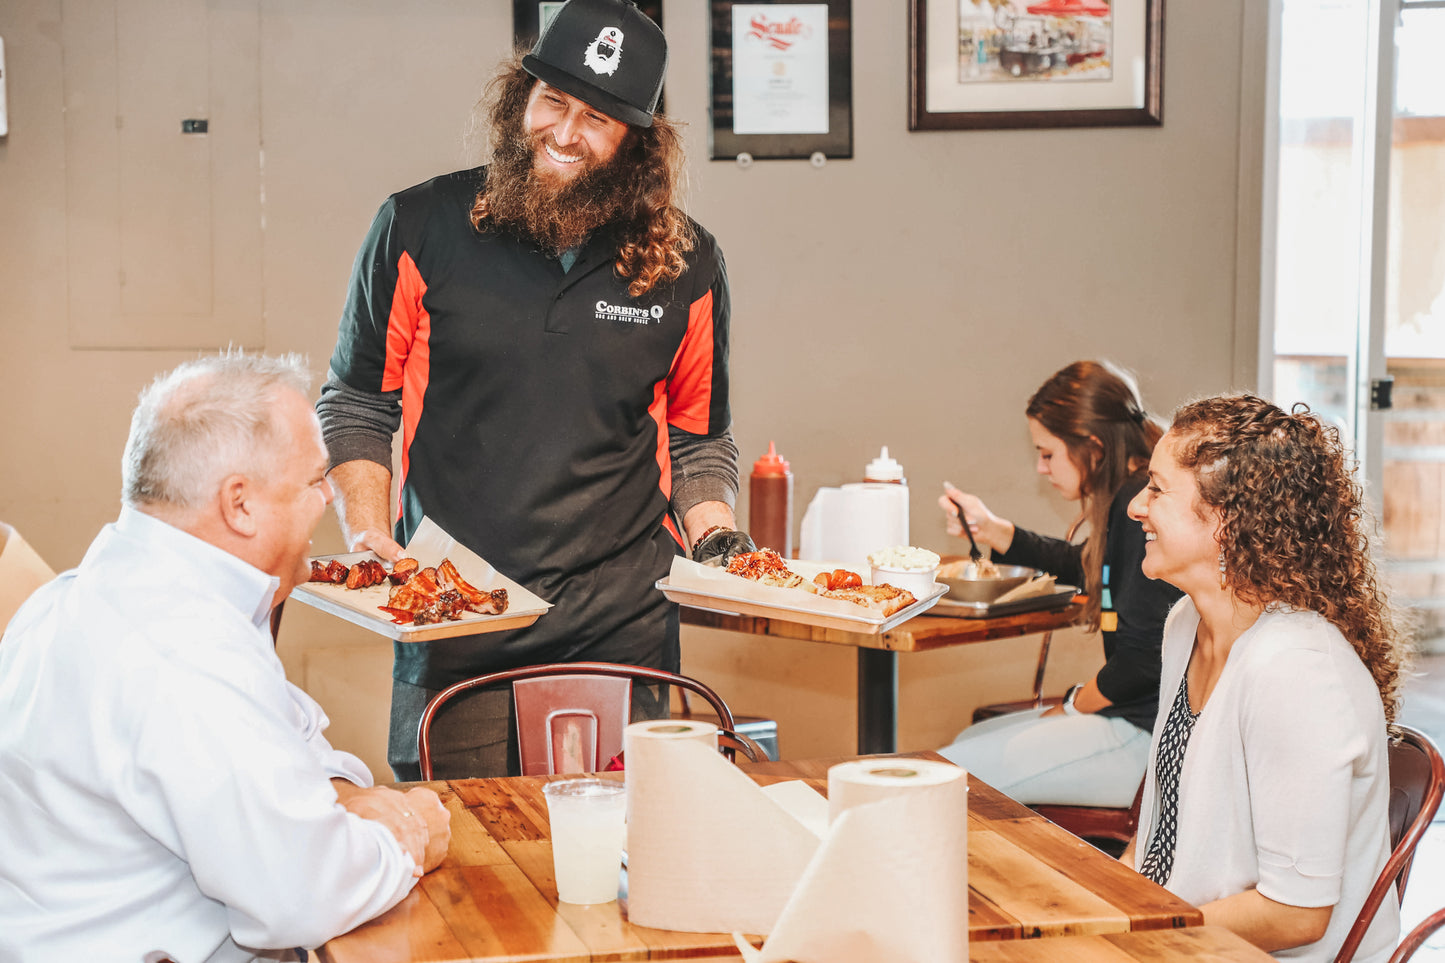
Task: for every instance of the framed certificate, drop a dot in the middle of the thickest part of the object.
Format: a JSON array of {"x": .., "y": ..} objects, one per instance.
[{"x": 782, "y": 79}]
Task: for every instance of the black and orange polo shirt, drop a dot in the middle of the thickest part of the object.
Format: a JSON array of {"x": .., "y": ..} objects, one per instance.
[{"x": 535, "y": 410}]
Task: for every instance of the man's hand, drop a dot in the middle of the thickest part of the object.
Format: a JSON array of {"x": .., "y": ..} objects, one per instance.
[
  {"x": 428, "y": 805},
  {"x": 362, "y": 489},
  {"x": 410, "y": 818},
  {"x": 723, "y": 543},
  {"x": 374, "y": 540}
]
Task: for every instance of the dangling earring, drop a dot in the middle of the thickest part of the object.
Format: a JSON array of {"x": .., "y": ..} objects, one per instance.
[{"x": 1223, "y": 572}]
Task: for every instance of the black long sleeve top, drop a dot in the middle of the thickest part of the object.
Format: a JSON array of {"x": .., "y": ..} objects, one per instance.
[{"x": 1134, "y": 606}]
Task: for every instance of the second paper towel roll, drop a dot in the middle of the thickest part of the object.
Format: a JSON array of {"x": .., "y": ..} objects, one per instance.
[
  {"x": 869, "y": 780},
  {"x": 707, "y": 850},
  {"x": 891, "y": 879}
]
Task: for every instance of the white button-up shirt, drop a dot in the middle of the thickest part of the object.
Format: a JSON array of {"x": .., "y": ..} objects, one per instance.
[{"x": 162, "y": 786}]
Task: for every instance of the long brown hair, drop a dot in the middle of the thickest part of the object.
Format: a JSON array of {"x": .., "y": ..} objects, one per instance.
[
  {"x": 1094, "y": 408},
  {"x": 654, "y": 233},
  {"x": 1293, "y": 527}
]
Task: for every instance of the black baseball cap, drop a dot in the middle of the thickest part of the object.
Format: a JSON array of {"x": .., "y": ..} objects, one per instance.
[{"x": 606, "y": 53}]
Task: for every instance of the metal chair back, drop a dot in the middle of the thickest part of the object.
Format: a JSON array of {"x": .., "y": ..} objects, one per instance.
[
  {"x": 1417, "y": 782},
  {"x": 581, "y": 726},
  {"x": 1418, "y": 936}
]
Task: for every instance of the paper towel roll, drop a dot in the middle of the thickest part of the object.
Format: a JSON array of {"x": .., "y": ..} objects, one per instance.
[
  {"x": 707, "y": 850},
  {"x": 685, "y": 729},
  {"x": 869, "y": 780},
  {"x": 890, "y": 881},
  {"x": 845, "y": 524},
  {"x": 676, "y": 729}
]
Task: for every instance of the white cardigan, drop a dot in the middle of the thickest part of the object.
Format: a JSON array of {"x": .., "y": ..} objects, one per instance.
[{"x": 1285, "y": 784}]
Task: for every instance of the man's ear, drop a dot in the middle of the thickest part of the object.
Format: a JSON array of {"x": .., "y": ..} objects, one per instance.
[{"x": 235, "y": 503}]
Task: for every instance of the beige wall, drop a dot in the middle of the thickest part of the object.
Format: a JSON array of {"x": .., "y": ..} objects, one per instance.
[{"x": 912, "y": 296}]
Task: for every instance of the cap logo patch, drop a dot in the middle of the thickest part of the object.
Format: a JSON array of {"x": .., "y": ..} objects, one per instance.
[{"x": 604, "y": 53}]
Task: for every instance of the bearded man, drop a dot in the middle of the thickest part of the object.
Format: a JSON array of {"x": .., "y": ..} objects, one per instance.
[{"x": 550, "y": 333}]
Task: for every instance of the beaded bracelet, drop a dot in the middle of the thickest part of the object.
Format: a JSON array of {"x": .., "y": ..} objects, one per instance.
[{"x": 703, "y": 537}]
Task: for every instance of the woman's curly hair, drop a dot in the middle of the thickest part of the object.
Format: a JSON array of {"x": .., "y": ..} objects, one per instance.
[
  {"x": 1094, "y": 408},
  {"x": 1293, "y": 525},
  {"x": 654, "y": 234}
]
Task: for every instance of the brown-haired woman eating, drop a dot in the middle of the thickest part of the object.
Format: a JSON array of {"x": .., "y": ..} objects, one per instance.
[
  {"x": 1268, "y": 790},
  {"x": 1093, "y": 438}
]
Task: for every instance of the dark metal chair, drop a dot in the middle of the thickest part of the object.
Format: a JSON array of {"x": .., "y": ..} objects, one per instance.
[
  {"x": 1097, "y": 822},
  {"x": 759, "y": 729},
  {"x": 573, "y": 714},
  {"x": 1417, "y": 782}
]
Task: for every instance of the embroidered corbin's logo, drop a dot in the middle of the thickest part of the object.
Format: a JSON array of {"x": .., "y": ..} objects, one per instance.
[
  {"x": 623, "y": 312},
  {"x": 605, "y": 52}
]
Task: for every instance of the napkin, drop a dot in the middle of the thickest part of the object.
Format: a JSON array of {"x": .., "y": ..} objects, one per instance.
[
  {"x": 22, "y": 571},
  {"x": 708, "y": 851},
  {"x": 890, "y": 881},
  {"x": 723, "y": 586},
  {"x": 1040, "y": 584},
  {"x": 431, "y": 543}
]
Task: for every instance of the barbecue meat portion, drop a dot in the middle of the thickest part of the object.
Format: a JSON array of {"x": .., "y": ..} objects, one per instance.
[
  {"x": 365, "y": 573},
  {"x": 765, "y": 566},
  {"x": 441, "y": 594},
  {"x": 884, "y": 599},
  {"x": 333, "y": 572},
  {"x": 403, "y": 570}
]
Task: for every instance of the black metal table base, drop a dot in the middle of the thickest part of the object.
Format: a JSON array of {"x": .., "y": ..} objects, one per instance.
[{"x": 877, "y": 701}]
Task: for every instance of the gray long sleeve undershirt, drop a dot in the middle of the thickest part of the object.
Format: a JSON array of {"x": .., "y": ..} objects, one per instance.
[{"x": 359, "y": 425}]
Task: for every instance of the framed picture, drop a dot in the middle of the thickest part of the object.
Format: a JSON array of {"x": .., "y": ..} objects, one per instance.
[
  {"x": 782, "y": 79},
  {"x": 1035, "y": 63},
  {"x": 530, "y": 16}
]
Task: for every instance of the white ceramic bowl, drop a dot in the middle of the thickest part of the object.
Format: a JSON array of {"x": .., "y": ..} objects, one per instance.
[{"x": 919, "y": 581}]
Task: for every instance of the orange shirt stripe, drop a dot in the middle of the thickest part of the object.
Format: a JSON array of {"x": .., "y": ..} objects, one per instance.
[
  {"x": 408, "y": 354},
  {"x": 691, "y": 373}
]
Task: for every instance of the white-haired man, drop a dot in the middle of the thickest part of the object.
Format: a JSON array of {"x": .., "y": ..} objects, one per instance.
[{"x": 167, "y": 793}]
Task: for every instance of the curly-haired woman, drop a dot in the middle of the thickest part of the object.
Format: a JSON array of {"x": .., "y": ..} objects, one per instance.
[
  {"x": 1093, "y": 438},
  {"x": 1267, "y": 797}
]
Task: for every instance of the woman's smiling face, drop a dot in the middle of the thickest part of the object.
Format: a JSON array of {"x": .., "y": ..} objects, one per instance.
[{"x": 1180, "y": 531}]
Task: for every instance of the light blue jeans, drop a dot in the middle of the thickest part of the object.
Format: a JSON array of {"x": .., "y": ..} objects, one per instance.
[{"x": 1081, "y": 760}]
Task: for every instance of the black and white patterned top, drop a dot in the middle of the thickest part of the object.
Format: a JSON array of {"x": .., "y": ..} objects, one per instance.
[{"x": 1173, "y": 741}]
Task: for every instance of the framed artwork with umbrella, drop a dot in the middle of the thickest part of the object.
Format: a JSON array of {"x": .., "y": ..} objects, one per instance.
[{"x": 998, "y": 64}]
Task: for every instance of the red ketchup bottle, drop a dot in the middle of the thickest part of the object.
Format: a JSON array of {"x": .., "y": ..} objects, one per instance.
[{"x": 770, "y": 503}]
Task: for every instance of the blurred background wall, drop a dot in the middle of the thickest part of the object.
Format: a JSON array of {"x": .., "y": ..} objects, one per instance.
[{"x": 913, "y": 296}]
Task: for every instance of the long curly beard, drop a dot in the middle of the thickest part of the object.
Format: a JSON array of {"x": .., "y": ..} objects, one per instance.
[{"x": 537, "y": 204}]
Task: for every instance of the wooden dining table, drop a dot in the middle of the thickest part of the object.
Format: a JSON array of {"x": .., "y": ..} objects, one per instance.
[
  {"x": 494, "y": 899},
  {"x": 1205, "y": 944},
  {"x": 878, "y": 652}
]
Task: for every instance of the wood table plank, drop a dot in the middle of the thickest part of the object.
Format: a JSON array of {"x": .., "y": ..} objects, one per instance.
[
  {"x": 919, "y": 634},
  {"x": 1202, "y": 943},
  {"x": 498, "y": 915},
  {"x": 411, "y": 930},
  {"x": 1149, "y": 907},
  {"x": 472, "y": 844},
  {"x": 1044, "y": 901}
]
